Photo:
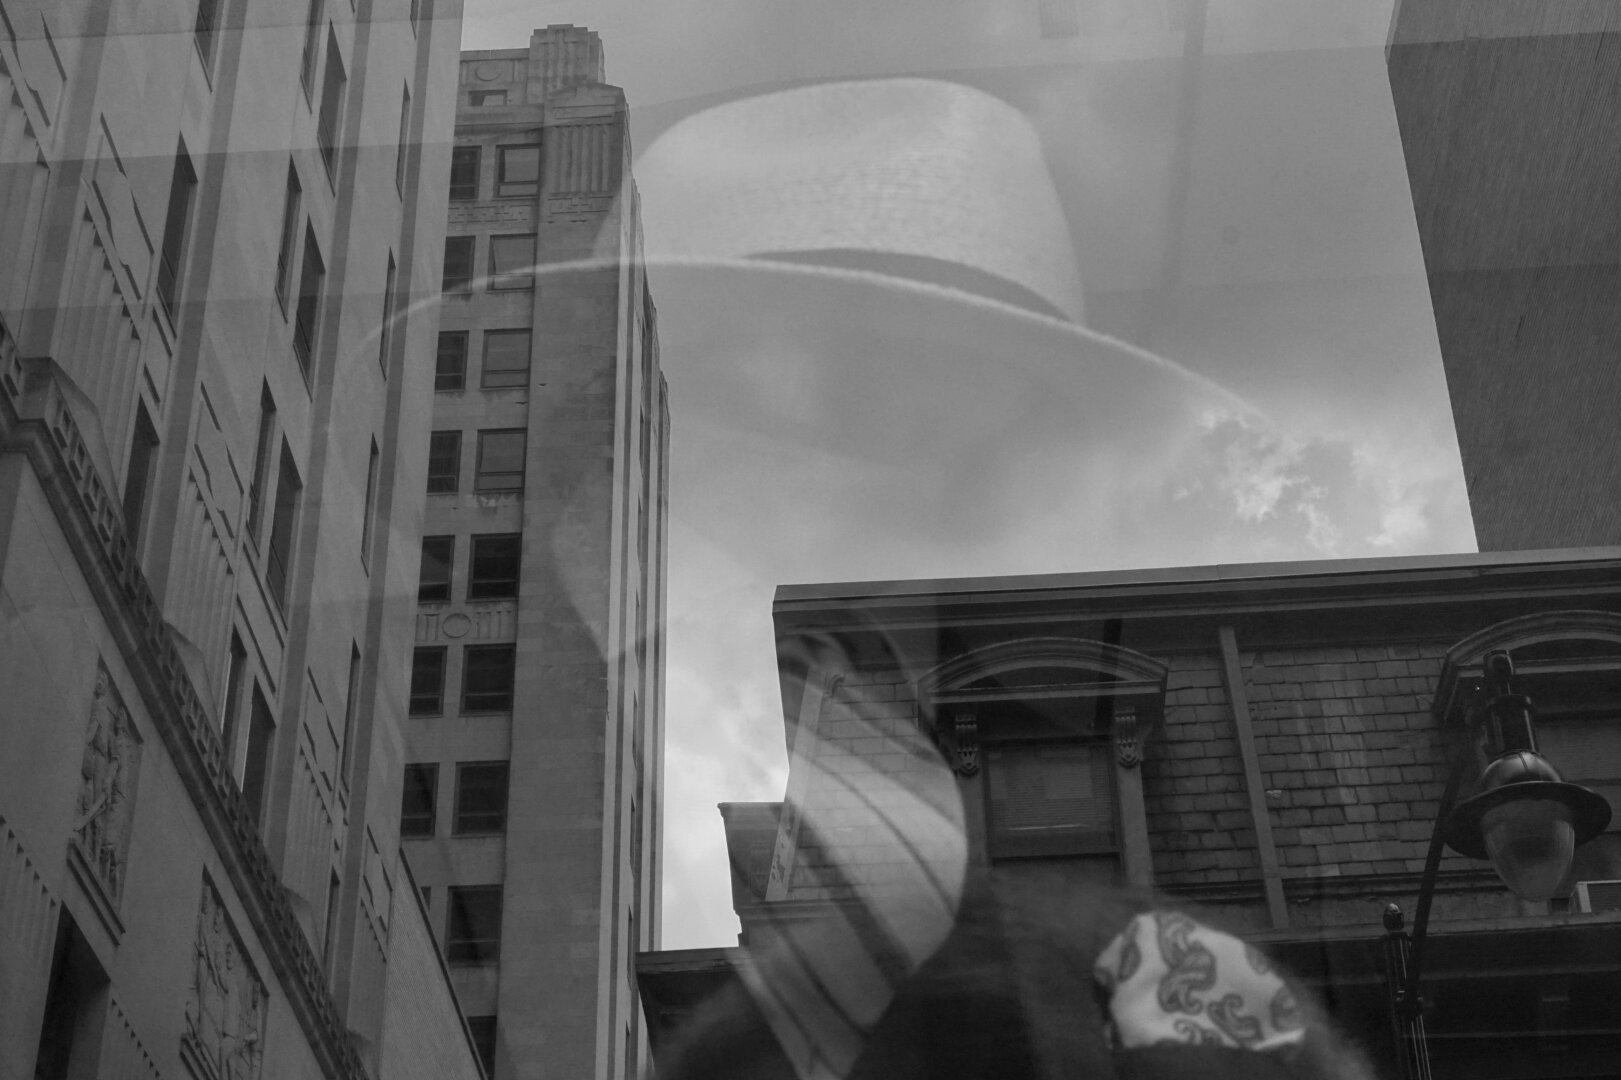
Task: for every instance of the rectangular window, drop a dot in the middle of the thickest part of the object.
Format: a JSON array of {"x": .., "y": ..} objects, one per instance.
[
  {"x": 493, "y": 569},
  {"x": 428, "y": 680},
  {"x": 481, "y": 798},
  {"x": 433, "y": 584},
  {"x": 312, "y": 45},
  {"x": 512, "y": 262},
  {"x": 506, "y": 359},
  {"x": 203, "y": 31},
  {"x": 450, "y": 367},
  {"x": 487, "y": 672},
  {"x": 483, "y": 98},
  {"x": 176, "y": 224},
  {"x": 330, "y": 118},
  {"x": 256, "y": 765},
  {"x": 482, "y": 1029},
  {"x": 419, "y": 800},
  {"x": 385, "y": 333},
  {"x": 329, "y": 942},
  {"x": 500, "y": 461},
  {"x": 444, "y": 462},
  {"x": 289, "y": 235},
  {"x": 464, "y": 172},
  {"x": 261, "y": 462},
  {"x": 458, "y": 276},
  {"x": 400, "y": 151},
  {"x": 1050, "y": 799},
  {"x": 236, "y": 669},
  {"x": 139, "y": 472},
  {"x": 279, "y": 556},
  {"x": 369, "y": 508},
  {"x": 473, "y": 929},
  {"x": 351, "y": 715},
  {"x": 306, "y": 317},
  {"x": 517, "y": 170}
]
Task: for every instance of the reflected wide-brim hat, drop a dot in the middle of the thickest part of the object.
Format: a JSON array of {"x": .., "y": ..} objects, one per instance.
[{"x": 924, "y": 178}]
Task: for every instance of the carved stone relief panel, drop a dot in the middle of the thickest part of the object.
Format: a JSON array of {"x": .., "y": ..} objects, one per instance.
[
  {"x": 107, "y": 775},
  {"x": 226, "y": 1003},
  {"x": 500, "y": 213}
]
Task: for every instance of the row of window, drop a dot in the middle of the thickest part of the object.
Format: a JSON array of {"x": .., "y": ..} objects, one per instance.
[
  {"x": 480, "y": 807},
  {"x": 505, "y": 360},
  {"x": 492, "y": 567},
  {"x": 511, "y": 262},
  {"x": 499, "y": 466},
  {"x": 517, "y": 170},
  {"x": 487, "y": 672}
]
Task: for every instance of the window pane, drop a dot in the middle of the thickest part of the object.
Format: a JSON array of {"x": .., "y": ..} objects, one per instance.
[
  {"x": 182, "y": 187},
  {"x": 500, "y": 461},
  {"x": 428, "y": 681},
  {"x": 450, "y": 369},
  {"x": 438, "y": 552},
  {"x": 458, "y": 276},
  {"x": 306, "y": 317},
  {"x": 518, "y": 172},
  {"x": 483, "y": 98},
  {"x": 506, "y": 359},
  {"x": 444, "y": 462},
  {"x": 493, "y": 573},
  {"x": 512, "y": 262},
  {"x": 473, "y": 930},
  {"x": 481, "y": 797},
  {"x": 464, "y": 172},
  {"x": 487, "y": 678},
  {"x": 1050, "y": 799},
  {"x": 331, "y": 112},
  {"x": 279, "y": 556},
  {"x": 418, "y": 800},
  {"x": 482, "y": 1029}
]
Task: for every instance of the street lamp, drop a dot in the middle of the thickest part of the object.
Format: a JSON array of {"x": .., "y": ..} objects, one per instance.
[{"x": 1524, "y": 818}]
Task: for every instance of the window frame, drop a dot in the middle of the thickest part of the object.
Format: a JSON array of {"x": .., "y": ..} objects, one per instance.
[
  {"x": 467, "y": 189},
  {"x": 492, "y": 587},
  {"x": 465, "y": 948},
  {"x": 484, "y": 699},
  {"x": 1001, "y": 842},
  {"x": 453, "y": 439},
  {"x": 307, "y": 306},
  {"x": 469, "y": 776},
  {"x": 460, "y": 282},
  {"x": 417, "y": 701},
  {"x": 512, "y": 280},
  {"x": 516, "y": 189},
  {"x": 495, "y": 481},
  {"x": 426, "y": 587},
  {"x": 428, "y": 817},
  {"x": 329, "y": 117},
  {"x": 440, "y": 374},
  {"x": 513, "y": 378}
]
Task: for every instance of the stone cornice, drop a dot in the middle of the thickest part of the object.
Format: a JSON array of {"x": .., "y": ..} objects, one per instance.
[{"x": 36, "y": 420}]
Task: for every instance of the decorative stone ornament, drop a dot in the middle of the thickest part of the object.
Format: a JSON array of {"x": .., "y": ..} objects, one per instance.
[
  {"x": 225, "y": 1010},
  {"x": 967, "y": 752},
  {"x": 1127, "y": 747},
  {"x": 107, "y": 775}
]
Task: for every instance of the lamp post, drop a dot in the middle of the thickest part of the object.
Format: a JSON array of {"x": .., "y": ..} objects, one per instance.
[{"x": 1524, "y": 818}]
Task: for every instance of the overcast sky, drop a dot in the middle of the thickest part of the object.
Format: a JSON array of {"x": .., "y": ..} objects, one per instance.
[{"x": 940, "y": 297}]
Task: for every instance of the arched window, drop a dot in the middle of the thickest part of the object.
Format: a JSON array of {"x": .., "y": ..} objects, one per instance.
[{"x": 1051, "y": 730}]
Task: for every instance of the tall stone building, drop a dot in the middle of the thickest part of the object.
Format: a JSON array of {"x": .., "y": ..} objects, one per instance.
[
  {"x": 1268, "y": 743},
  {"x": 222, "y": 226},
  {"x": 536, "y": 742},
  {"x": 1510, "y": 120}
]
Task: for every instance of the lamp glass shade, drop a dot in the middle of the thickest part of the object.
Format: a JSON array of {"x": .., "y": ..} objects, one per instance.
[{"x": 1532, "y": 843}]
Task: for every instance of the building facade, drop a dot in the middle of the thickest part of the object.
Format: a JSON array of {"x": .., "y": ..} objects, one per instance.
[
  {"x": 222, "y": 261},
  {"x": 536, "y": 743},
  {"x": 1265, "y": 744},
  {"x": 1510, "y": 129}
]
